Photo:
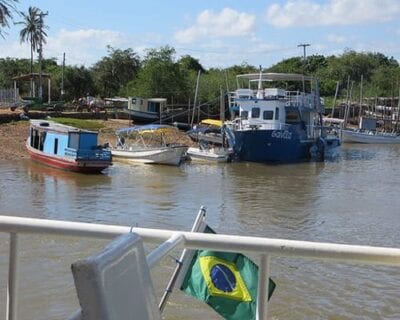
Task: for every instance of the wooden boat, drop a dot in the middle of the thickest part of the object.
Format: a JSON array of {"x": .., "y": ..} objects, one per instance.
[
  {"x": 147, "y": 144},
  {"x": 375, "y": 137},
  {"x": 66, "y": 147},
  {"x": 138, "y": 109}
]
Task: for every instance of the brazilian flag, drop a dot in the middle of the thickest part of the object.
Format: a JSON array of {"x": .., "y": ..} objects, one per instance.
[{"x": 227, "y": 282}]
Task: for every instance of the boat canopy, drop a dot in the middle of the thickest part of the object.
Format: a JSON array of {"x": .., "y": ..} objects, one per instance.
[
  {"x": 275, "y": 77},
  {"x": 145, "y": 128},
  {"x": 212, "y": 122}
]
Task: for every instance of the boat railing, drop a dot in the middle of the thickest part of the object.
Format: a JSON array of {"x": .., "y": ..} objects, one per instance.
[
  {"x": 264, "y": 248},
  {"x": 95, "y": 154},
  {"x": 301, "y": 99},
  {"x": 254, "y": 124}
]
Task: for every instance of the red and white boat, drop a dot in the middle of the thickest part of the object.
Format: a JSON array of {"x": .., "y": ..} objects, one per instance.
[{"x": 65, "y": 147}]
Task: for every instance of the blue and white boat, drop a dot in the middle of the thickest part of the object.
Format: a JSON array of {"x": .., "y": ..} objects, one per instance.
[
  {"x": 67, "y": 148},
  {"x": 276, "y": 124}
]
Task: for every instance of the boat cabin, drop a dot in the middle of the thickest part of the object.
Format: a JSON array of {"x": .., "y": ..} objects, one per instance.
[
  {"x": 275, "y": 108},
  {"x": 151, "y": 105},
  {"x": 64, "y": 141}
]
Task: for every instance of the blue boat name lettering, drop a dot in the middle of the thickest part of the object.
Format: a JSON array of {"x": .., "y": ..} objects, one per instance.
[{"x": 281, "y": 134}]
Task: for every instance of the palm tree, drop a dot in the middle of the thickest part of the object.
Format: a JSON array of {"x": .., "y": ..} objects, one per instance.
[
  {"x": 5, "y": 7},
  {"x": 33, "y": 31}
]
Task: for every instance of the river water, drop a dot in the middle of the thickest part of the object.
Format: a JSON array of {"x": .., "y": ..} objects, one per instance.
[{"x": 351, "y": 199}]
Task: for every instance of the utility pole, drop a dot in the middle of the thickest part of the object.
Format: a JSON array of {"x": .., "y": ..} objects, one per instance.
[{"x": 304, "y": 45}]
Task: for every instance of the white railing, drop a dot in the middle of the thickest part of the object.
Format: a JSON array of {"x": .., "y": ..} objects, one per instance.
[{"x": 264, "y": 247}]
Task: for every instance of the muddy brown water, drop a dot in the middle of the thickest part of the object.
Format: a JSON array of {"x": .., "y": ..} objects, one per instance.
[{"x": 351, "y": 199}]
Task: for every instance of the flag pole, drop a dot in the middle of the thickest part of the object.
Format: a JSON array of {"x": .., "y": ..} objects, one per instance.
[
  {"x": 263, "y": 287},
  {"x": 196, "y": 225}
]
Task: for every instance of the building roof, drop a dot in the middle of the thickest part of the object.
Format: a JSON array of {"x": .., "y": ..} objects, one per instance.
[{"x": 31, "y": 76}]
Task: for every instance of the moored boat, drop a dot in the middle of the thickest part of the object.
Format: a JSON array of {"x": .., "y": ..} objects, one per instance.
[
  {"x": 208, "y": 130},
  {"x": 209, "y": 154},
  {"x": 369, "y": 136},
  {"x": 147, "y": 144},
  {"x": 65, "y": 147},
  {"x": 274, "y": 124}
]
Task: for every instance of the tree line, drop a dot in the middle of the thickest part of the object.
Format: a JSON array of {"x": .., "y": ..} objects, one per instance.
[{"x": 160, "y": 73}]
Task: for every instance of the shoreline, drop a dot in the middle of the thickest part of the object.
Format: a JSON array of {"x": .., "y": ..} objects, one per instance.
[
  {"x": 13, "y": 136},
  {"x": 14, "y": 133}
]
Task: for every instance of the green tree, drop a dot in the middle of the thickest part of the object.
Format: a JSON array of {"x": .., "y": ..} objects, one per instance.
[
  {"x": 6, "y": 6},
  {"x": 32, "y": 30},
  {"x": 9, "y": 68},
  {"x": 189, "y": 63},
  {"x": 160, "y": 76},
  {"x": 112, "y": 73},
  {"x": 78, "y": 82}
]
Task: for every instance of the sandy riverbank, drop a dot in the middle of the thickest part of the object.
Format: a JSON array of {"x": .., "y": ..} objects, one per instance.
[{"x": 14, "y": 134}]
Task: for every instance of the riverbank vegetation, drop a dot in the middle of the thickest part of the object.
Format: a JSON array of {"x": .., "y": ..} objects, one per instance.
[
  {"x": 161, "y": 73},
  {"x": 81, "y": 123}
]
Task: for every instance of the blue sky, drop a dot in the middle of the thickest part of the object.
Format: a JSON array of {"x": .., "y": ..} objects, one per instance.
[{"x": 219, "y": 33}]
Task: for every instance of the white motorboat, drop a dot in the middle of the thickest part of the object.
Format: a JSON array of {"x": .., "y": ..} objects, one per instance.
[
  {"x": 364, "y": 136},
  {"x": 147, "y": 144},
  {"x": 209, "y": 154}
]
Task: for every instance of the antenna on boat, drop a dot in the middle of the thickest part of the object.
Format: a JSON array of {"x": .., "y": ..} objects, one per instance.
[{"x": 260, "y": 91}]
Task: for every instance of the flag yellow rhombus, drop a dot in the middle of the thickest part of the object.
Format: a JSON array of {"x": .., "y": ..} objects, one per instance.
[{"x": 223, "y": 279}]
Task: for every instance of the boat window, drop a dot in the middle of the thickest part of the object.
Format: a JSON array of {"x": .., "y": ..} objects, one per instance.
[
  {"x": 73, "y": 141},
  {"x": 276, "y": 113},
  {"x": 292, "y": 116},
  {"x": 41, "y": 140},
  {"x": 35, "y": 139},
  {"x": 55, "y": 145},
  {"x": 255, "y": 112},
  {"x": 153, "y": 106},
  {"x": 268, "y": 115},
  {"x": 244, "y": 115}
]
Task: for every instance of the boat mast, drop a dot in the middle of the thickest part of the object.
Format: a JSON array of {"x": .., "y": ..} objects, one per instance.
[
  {"x": 195, "y": 98},
  {"x": 260, "y": 91},
  {"x": 361, "y": 97},
  {"x": 334, "y": 99}
]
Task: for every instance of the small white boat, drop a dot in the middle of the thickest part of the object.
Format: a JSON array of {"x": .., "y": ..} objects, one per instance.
[
  {"x": 212, "y": 154},
  {"x": 146, "y": 144},
  {"x": 375, "y": 137}
]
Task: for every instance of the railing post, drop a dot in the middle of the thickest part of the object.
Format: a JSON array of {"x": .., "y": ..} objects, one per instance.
[
  {"x": 263, "y": 288},
  {"x": 11, "y": 309}
]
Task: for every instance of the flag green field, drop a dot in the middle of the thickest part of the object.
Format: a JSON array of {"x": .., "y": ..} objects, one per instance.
[{"x": 227, "y": 282}]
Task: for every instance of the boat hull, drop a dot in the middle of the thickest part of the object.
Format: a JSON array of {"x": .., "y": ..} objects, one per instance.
[
  {"x": 66, "y": 163},
  {"x": 280, "y": 146},
  {"x": 164, "y": 155},
  {"x": 350, "y": 136},
  {"x": 197, "y": 154}
]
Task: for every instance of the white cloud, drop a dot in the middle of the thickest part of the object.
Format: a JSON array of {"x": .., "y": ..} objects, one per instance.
[
  {"x": 336, "y": 38},
  {"x": 227, "y": 23},
  {"x": 85, "y": 46},
  {"x": 334, "y": 12},
  {"x": 82, "y": 47}
]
